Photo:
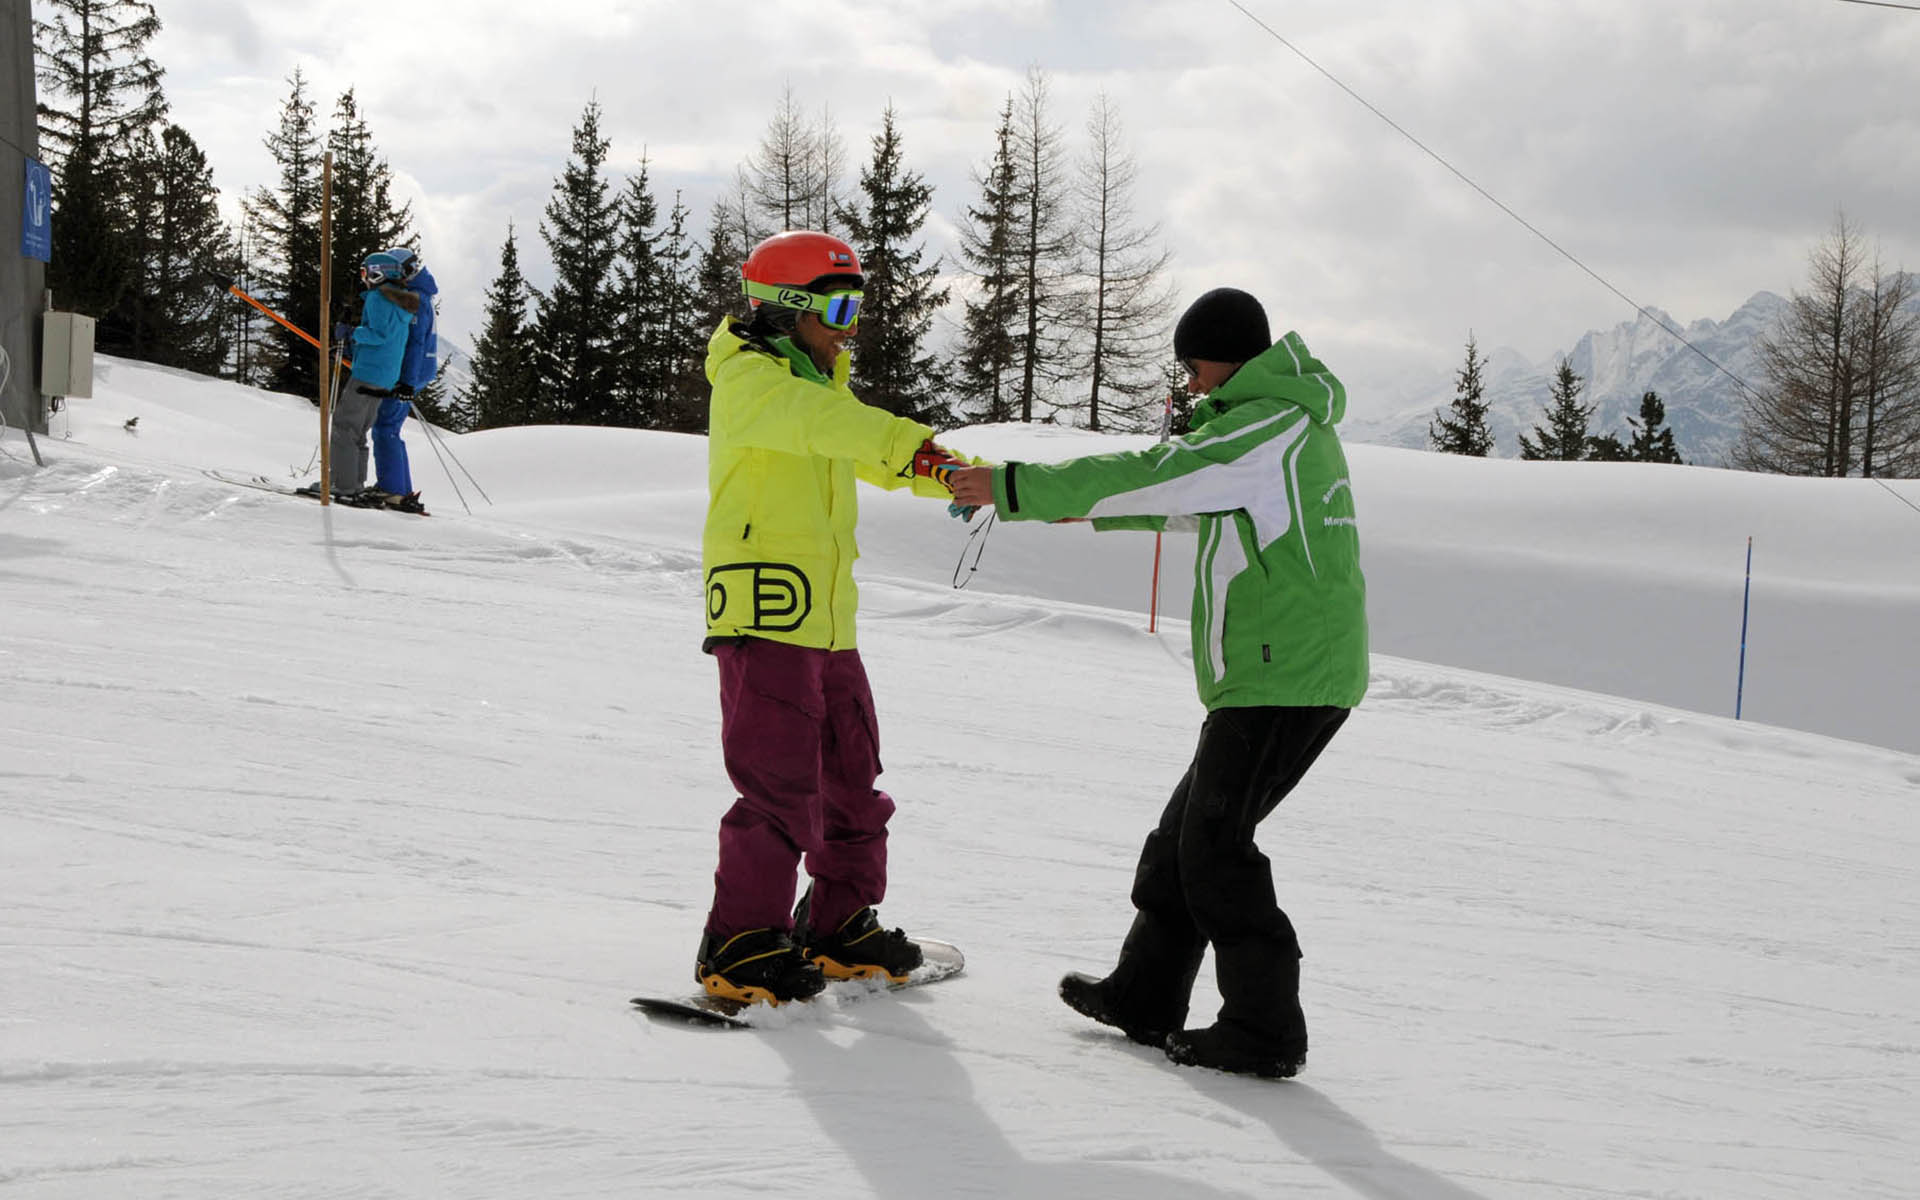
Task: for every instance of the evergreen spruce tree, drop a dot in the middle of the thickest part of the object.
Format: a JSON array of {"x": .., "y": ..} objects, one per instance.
[
  {"x": 892, "y": 369},
  {"x": 250, "y": 358},
  {"x": 1650, "y": 442},
  {"x": 433, "y": 404},
  {"x": 713, "y": 296},
  {"x": 639, "y": 360},
  {"x": 1564, "y": 436},
  {"x": 286, "y": 220},
  {"x": 988, "y": 336},
  {"x": 716, "y": 276},
  {"x": 575, "y": 324},
  {"x": 128, "y": 327},
  {"x": 1466, "y": 431},
  {"x": 182, "y": 318},
  {"x": 501, "y": 391},
  {"x": 682, "y": 330},
  {"x": 1607, "y": 447},
  {"x": 1122, "y": 270},
  {"x": 1179, "y": 416},
  {"x": 105, "y": 94},
  {"x": 365, "y": 218}
]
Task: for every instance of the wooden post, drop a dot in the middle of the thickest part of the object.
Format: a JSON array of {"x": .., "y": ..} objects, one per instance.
[{"x": 326, "y": 328}]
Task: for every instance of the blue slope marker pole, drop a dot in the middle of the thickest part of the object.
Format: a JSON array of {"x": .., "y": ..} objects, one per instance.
[{"x": 1746, "y": 602}]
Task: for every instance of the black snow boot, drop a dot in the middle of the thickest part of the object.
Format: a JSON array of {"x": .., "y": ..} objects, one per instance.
[
  {"x": 1097, "y": 998},
  {"x": 1225, "y": 1047},
  {"x": 760, "y": 966}
]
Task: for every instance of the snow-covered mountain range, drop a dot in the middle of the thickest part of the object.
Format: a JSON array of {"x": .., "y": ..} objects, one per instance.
[{"x": 1619, "y": 366}]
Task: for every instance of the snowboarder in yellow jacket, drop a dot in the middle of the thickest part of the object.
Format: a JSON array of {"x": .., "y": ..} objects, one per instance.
[{"x": 786, "y": 441}]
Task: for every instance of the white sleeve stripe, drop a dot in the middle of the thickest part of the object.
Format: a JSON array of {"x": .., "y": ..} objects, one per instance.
[
  {"x": 1174, "y": 448},
  {"x": 1299, "y": 507},
  {"x": 1255, "y": 481}
]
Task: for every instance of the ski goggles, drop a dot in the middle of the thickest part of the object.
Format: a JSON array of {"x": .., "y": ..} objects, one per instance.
[{"x": 837, "y": 310}]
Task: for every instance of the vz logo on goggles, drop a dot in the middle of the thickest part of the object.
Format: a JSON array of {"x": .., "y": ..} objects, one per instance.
[{"x": 795, "y": 298}]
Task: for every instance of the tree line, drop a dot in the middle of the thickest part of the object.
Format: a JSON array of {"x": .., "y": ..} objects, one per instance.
[
  {"x": 1058, "y": 280},
  {"x": 139, "y": 242},
  {"x": 1062, "y": 291},
  {"x": 1840, "y": 394},
  {"x": 1566, "y": 433}
]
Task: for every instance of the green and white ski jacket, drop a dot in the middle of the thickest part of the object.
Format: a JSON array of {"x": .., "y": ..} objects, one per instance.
[{"x": 1279, "y": 604}]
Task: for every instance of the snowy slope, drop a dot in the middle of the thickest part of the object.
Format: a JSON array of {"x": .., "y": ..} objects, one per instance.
[{"x": 337, "y": 840}]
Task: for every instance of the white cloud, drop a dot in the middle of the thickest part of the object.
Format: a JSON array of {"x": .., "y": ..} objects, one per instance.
[{"x": 1691, "y": 154}]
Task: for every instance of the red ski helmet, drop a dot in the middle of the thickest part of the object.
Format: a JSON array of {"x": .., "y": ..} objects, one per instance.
[{"x": 803, "y": 261}]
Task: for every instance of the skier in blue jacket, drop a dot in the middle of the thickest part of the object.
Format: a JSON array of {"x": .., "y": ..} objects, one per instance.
[
  {"x": 393, "y": 477},
  {"x": 379, "y": 344}
]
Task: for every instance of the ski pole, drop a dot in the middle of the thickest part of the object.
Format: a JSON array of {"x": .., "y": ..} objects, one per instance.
[
  {"x": 433, "y": 435},
  {"x": 431, "y": 445},
  {"x": 226, "y": 283}
]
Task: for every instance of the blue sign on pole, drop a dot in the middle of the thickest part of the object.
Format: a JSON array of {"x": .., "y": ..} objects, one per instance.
[{"x": 36, "y": 216}]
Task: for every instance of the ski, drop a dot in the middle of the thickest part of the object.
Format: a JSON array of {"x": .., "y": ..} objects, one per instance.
[
  {"x": 942, "y": 960},
  {"x": 286, "y": 489}
]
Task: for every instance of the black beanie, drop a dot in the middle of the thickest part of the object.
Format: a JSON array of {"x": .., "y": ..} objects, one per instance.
[{"x": 1225, "y": 325}]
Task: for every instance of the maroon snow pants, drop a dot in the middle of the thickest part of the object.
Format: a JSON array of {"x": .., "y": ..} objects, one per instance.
[{"x": 802, "y": 748}]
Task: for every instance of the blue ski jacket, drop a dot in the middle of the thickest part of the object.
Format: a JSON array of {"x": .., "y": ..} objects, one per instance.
[
  {"x": 421, "y": 362},
  {"x": 380, "y": 341}
]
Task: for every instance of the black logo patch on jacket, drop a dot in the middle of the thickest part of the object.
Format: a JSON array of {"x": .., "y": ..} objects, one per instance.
[{"x": 780, "y": 595}]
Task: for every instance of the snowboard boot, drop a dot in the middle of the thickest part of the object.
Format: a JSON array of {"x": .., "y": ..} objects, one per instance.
[
  {"x": 1098, "y": 998},
  {"x": 1225, "y": 1047},
  {"x": 760, "y": 966},
  {"x": 860, "y": 948},
  {"x": 409, "y": 503}
]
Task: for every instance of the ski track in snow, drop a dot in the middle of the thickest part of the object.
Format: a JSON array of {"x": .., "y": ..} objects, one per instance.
[{"x": 339, "y": 840}]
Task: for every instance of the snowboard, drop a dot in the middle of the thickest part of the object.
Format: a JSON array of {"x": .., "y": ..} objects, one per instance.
[
  {"x": 286, "y": 489},
  {"x": 943, "y": 960}
]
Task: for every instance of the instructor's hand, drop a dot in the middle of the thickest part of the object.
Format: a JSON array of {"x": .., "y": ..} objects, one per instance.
[{"x": 972, "y": 486}]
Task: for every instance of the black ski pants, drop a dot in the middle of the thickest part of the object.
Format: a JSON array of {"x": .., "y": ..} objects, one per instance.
[{"x": 1201, "y": 880}]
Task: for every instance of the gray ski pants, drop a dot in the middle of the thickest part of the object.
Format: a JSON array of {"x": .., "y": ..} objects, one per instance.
[{"x": 353, "y": 416}]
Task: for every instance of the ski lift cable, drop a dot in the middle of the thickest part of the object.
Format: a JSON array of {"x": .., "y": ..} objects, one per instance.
[
  {"x": 1896, "y": 495},
  {"x": 1884, "y": 4},
  {"x": 1642, "y": 309}
]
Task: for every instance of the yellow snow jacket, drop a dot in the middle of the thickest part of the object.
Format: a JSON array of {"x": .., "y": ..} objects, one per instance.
[{"x": 784, "y": 446}]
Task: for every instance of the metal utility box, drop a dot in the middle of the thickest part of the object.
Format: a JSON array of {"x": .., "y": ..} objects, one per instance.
[{"x": 66, "y": 355}]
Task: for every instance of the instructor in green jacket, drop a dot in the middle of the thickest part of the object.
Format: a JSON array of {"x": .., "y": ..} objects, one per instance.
[{"x": 1279, "y": 653}]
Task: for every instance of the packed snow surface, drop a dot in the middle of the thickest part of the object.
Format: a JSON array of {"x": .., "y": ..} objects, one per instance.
[{"x": 337, "y": 840}]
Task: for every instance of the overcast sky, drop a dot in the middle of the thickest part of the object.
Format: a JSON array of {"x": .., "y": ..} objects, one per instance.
[{"x": 1692, "y": 152}]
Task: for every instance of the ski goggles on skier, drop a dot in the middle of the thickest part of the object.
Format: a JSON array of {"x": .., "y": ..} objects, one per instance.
[{"x": 837, "y": 310}]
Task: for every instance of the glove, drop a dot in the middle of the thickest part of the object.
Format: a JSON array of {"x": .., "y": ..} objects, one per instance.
[
  {"x": 342, "y": 333},
  {"x": 963, "y": 512},
  {"x": 929, "y": 458}
]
